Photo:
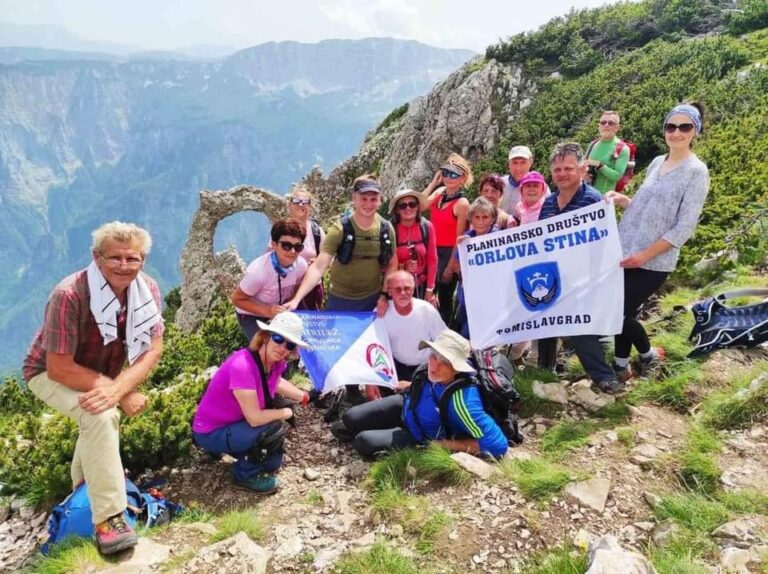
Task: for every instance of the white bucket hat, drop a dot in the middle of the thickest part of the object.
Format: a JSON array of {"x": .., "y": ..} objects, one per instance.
[
  {"x": 453, "y": 347},
  {"x": 287, "y": 324}
]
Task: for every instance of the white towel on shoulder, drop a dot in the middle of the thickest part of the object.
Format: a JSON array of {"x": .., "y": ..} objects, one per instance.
[{"x": 143, "y": 313}]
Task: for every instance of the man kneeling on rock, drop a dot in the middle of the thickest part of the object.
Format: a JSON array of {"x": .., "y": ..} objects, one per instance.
[{"x": 414, "y": 417}]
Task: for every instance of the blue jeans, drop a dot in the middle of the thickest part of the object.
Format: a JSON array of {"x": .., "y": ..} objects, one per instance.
[
  {"x": 235, "y": 440},
  {"x": 592, "y": 357}
]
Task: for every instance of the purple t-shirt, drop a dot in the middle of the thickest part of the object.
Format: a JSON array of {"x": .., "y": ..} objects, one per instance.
[{"x": 219, "y": 406}]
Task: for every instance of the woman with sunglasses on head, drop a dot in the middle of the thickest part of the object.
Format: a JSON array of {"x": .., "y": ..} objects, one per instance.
[
  {"x": 448, "y": 206},
  {"x": 299, "y": 205},
  {"x": 271, "y": 279},
  {"x": 416, "y": 244},
  {"x": 236, "y": 414},
  {"x": 657, "y": 222}
]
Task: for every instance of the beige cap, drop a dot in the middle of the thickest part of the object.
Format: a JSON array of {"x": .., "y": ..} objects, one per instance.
[
  {"x": 453, "y": 347},
  {"x": 287, "y": 324},
  {"x": 520, "y": 151}
]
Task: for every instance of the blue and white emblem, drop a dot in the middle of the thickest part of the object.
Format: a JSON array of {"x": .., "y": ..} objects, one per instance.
[{"x": 538, "y": 285}]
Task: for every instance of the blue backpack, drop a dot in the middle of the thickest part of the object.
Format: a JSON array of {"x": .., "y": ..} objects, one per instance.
[{"x": 72, "y": 517}]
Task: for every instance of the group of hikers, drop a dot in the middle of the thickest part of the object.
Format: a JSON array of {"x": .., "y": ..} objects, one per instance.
[{"x": 102, "y": 333}]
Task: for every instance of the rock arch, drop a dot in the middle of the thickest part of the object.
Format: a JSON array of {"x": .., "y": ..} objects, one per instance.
[{"x": 206, "y": 274}]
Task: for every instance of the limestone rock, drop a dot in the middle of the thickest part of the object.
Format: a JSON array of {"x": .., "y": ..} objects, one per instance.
[
  {"x": 741, "y": 533},
  {"x": 664, "y": 532},
  {"x": 591, "y": 493},
  {"x": 643, "y": 455},
  {"x": 140, "y": 559},
  {"x": 606, "y": 556},
  {"x": 473, "y": 464},
  {"x": 207, "y": 275},
  {"x": 555, "y": 392},
  {"x": 311, "y": 474},
  {"x": 585, "y": 397},
  {"x": 235, "y": 555},
  {"x": 735, "y": 561}
]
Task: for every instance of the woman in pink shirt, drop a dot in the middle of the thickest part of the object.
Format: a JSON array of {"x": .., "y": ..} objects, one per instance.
[{"x": 237, "y": 416}]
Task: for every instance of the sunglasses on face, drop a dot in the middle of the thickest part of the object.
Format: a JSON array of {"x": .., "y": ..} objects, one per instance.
[
  {"x": 280, "y": 340},
  {"x": 287, "y": 245},
  {"x": 302, "y": 202},
  {"x": 402, "y": 289},
  {"x": 407, "y": 205},
  {"x": 608, "y": 123},
  {"x": 448, "y": 174},
  {"x": 684, "y": 128}
]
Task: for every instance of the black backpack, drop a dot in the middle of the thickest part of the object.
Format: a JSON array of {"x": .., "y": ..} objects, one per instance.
[
  {"x": 495, "y": 380},
  {"x": 315, "y": 234},
  {"x": 347, "y": 245},
  {"x": 719, "y": 327}
]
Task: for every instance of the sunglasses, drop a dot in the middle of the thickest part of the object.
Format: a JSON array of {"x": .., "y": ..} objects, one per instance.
[
  {"x": 447, "y": 173},
  {"x": 407, "y": 205},
  {"x": 402, "y": 289},
  {"x": 287, "y": 245},
  {"x": 684, "y": 128},
  {"x": 608, "y": 123},
  {"x": 280, "y": 340},
  {"x": 302, "y": 202}
]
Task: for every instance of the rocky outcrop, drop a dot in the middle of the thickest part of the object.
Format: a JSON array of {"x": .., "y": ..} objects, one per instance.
[
  {"x": 465, "y": 113},
  {"x": 205, "y": 274}
]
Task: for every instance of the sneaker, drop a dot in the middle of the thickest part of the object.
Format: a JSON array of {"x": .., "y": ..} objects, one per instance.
[
  {"x": 115, "y": 535},
  {"x": 341, "y": 432},
  {"x": 651, "y": 367},
  {"x": 622, "y": 373},
  {"x": 260, "y": 483},
  {"x": 609, "y": 386}
]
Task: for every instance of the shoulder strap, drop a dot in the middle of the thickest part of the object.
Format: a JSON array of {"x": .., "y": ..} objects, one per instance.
[
  {"x": 589, "y": 148},
  {"x": 754, "y": 292},
  {"x": 385, "y": 241},
  {"x": 315, "y": 234},
  {"x": 620, "y": 145},
  {"x": 263, "y": 377},
  {"x": 445, "y": 398},
  {"x": 424, "y": 231}
]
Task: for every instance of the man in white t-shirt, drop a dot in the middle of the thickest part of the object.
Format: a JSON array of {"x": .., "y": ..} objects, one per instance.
[
  {"x": 408, "y": 321},
  {"x": 272, "y": 279}
]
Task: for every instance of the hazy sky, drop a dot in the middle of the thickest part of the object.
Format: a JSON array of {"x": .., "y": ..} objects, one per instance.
[{"x": 169, "y": 24}]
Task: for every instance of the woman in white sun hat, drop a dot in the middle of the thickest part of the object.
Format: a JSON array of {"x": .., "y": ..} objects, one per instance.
[{"x": 236, "y": 415}]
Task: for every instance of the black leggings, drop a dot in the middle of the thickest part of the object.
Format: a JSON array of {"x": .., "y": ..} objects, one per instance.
[
  {"x": 639, "y": 285},
  {"x": 445, "y": 291},
  {"x": 378, "y": 426}
]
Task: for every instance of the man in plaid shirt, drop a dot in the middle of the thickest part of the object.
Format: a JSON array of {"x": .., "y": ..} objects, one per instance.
[{"x": 75, "y": 365}]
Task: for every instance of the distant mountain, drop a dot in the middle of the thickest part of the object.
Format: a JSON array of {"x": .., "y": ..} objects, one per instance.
[
  {"x": 55, "y": 38},
  {"x": 84, "y": 141}
]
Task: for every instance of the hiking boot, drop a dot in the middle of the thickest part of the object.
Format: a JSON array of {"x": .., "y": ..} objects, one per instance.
[
  {"x": 623, "y": 374},
  {"x": 651, "y": 367},
  {"x": 115, "y": 535},
  {"x": 341, "y": 432},
  {"x": 260, "y": 483},
  {"x": 609, "y": 386}
]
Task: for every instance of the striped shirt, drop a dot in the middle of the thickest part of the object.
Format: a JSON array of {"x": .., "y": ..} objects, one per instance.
[
  {"x": 70, "y": 329},
  {"x": 586, "y": 195}
]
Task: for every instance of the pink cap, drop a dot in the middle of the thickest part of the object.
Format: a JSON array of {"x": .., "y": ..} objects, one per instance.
[{"x": 533, "y": 177}]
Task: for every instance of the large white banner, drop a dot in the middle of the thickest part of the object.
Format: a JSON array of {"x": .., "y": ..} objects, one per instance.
[{"x": 554, "y": 278}]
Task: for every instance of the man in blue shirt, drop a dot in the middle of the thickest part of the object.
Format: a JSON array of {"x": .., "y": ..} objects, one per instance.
[
  {"x": 411, "y": 419},
  {"x": 568, "y": 168}
]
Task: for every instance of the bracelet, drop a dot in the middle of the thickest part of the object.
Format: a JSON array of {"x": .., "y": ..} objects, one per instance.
[{"x": 305, "y": 399}]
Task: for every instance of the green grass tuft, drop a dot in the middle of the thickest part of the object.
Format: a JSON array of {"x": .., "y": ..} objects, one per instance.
[
  {"x": 737, "y": 407},
  {"x": 699, "y": 472},
  {"x": 537, "y": 477},
  {"x": 557, "y": 561},
  {"x": 68, "y": 556},
  {"x": 234, "y": 521},
  {"x": 430, "y": 530},
  {"x": 693, "y": 511},
  {"x": 626, "y": 436},
  {"x": 671, "y": 392},
  {"x": 402, "y": 467},
  {"x": 566, "y": 436},
  {"x": 667, "y": 561},
  {"x": 615, "y": 413},
  {"x": 744, "y": 501},
  {"x": 380, "y": 559}
]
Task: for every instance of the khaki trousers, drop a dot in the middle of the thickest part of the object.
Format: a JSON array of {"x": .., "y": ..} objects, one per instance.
[{"x": 97, "y": 452}]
